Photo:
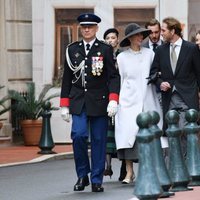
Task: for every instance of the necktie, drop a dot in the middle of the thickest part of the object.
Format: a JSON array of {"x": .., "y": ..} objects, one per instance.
[
  {"x": 154, "y": 46},
  {"x": 173, "y": 57},
  {"x": 87, "y": 47}
]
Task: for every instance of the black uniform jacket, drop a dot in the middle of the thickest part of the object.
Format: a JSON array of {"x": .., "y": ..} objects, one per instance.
[
  {"x": 83, "y": 89},
  {"x": 186, "y": 78}
]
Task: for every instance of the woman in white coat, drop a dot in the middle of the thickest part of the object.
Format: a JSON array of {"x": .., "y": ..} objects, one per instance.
[{"x": 135, "y": 95}]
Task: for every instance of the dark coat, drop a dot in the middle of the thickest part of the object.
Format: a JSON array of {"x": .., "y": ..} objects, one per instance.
[
  {"x": 146, "y": 43},
  {"x": 187, "y": 74},
  {"x": 94, "y": 96}
]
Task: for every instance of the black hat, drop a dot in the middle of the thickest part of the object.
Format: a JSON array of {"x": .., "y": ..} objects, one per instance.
[
  {"x": 88, "y": 19},
  {"x": 133, "y": 29},
  {"x": 110, "y": 30}
]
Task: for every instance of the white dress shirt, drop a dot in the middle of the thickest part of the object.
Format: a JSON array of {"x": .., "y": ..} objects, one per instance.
[{"x": 90, "y": 43}]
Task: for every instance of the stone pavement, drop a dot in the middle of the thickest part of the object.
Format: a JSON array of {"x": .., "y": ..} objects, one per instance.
[{"x": 20, "y": 154}]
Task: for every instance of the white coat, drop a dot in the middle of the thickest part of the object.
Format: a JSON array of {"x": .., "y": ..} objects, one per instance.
[{"x": 135, "y": 95}]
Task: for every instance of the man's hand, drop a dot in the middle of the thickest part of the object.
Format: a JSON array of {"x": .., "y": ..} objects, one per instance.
[
  {"x": 164, "y": 86},
  {"x": 65, "y": 114},
  {"x": 112, "y": 108}
]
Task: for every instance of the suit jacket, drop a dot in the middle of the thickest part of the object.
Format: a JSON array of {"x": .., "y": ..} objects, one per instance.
[
  {"x": 146, "y": 43},
  {"x": 186, "y": 78},
  {"x": 82, "y": 88}
]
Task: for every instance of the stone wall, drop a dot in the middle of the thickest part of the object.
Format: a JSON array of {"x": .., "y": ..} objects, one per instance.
[
  {"x": 18, "y": 46},
  {"x": 15, "y": 49}
]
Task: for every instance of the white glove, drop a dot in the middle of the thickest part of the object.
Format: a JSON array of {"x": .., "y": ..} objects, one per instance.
[
  {"x": 112, "y": 108},
  {"x": 65, "y": 114}
]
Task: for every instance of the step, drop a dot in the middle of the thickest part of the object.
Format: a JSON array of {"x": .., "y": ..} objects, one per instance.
[{"x": 5, "y": 140}]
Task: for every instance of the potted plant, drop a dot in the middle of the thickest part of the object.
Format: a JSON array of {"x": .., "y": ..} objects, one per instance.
[
  {"x": 31, "y": 108},
  {"x": 3, "y": 107}
]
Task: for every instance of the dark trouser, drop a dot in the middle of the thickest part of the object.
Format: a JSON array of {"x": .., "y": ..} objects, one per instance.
[{"x": 79, "y": 135}]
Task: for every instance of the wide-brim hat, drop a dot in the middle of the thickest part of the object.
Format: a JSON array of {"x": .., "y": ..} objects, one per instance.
[
  {"x": 88, "y": 19},
  {"x": 131, "y": 30}
]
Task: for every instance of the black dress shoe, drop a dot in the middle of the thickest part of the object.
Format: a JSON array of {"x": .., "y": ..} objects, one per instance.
[
  {"x": 81, "y": 183},
  {"x": 97, "y": 187}
]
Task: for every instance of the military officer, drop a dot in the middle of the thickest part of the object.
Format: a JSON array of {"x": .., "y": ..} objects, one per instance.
[{"x": 89, "y": 92}]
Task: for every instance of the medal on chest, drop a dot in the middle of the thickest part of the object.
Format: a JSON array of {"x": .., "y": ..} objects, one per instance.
[{"x": 97, "y": 65}]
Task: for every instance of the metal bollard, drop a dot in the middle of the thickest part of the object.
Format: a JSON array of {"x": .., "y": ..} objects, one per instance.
[
  {"x": 193, "y": 151},
  {"x": 159, "y": 162},
  {"x": 46, "y": 143},
  {"x": 177, "y": 168},
  {"x": 147, "y": 185}
]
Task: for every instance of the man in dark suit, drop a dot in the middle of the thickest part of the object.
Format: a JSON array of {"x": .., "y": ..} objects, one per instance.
[
  {"x": 178, "y": 64},
  {"x": 154, "y": 37},
  {"x": 89, "y": 92},
  {"x": 154, "y": 40}
]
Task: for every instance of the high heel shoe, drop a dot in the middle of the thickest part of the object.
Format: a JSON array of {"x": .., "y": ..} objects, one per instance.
[
  {"x": 108, "y": 172},
  {"x": 128, "y": 180}
]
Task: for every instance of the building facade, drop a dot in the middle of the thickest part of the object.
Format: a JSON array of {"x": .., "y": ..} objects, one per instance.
[{"x": 35, "y": 33}]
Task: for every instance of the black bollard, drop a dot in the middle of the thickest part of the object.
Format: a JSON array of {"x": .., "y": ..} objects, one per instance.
[
  {"x": 46, "y": 143},
  {"x": 177, "y": 168},
  {"x": 147, "y": 186},
  {"x": 193, "y": 151},
  {"x": 159, "y": 162}
]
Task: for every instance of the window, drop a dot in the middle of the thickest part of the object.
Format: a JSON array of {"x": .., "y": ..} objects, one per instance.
[
  {"x": 123, "y": 17},
  {"x": 67, "y": 31}
]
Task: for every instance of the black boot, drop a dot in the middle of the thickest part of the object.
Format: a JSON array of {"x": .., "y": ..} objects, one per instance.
[
  {"x": 97, "y": 187},
  {"x": 108, "y": 171},
  {"x": 81, "y": 183},
  {"x": 122, "y": 171}
]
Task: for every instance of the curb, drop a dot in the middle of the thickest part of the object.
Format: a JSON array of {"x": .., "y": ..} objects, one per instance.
[{"x": 49, "y": 157}]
